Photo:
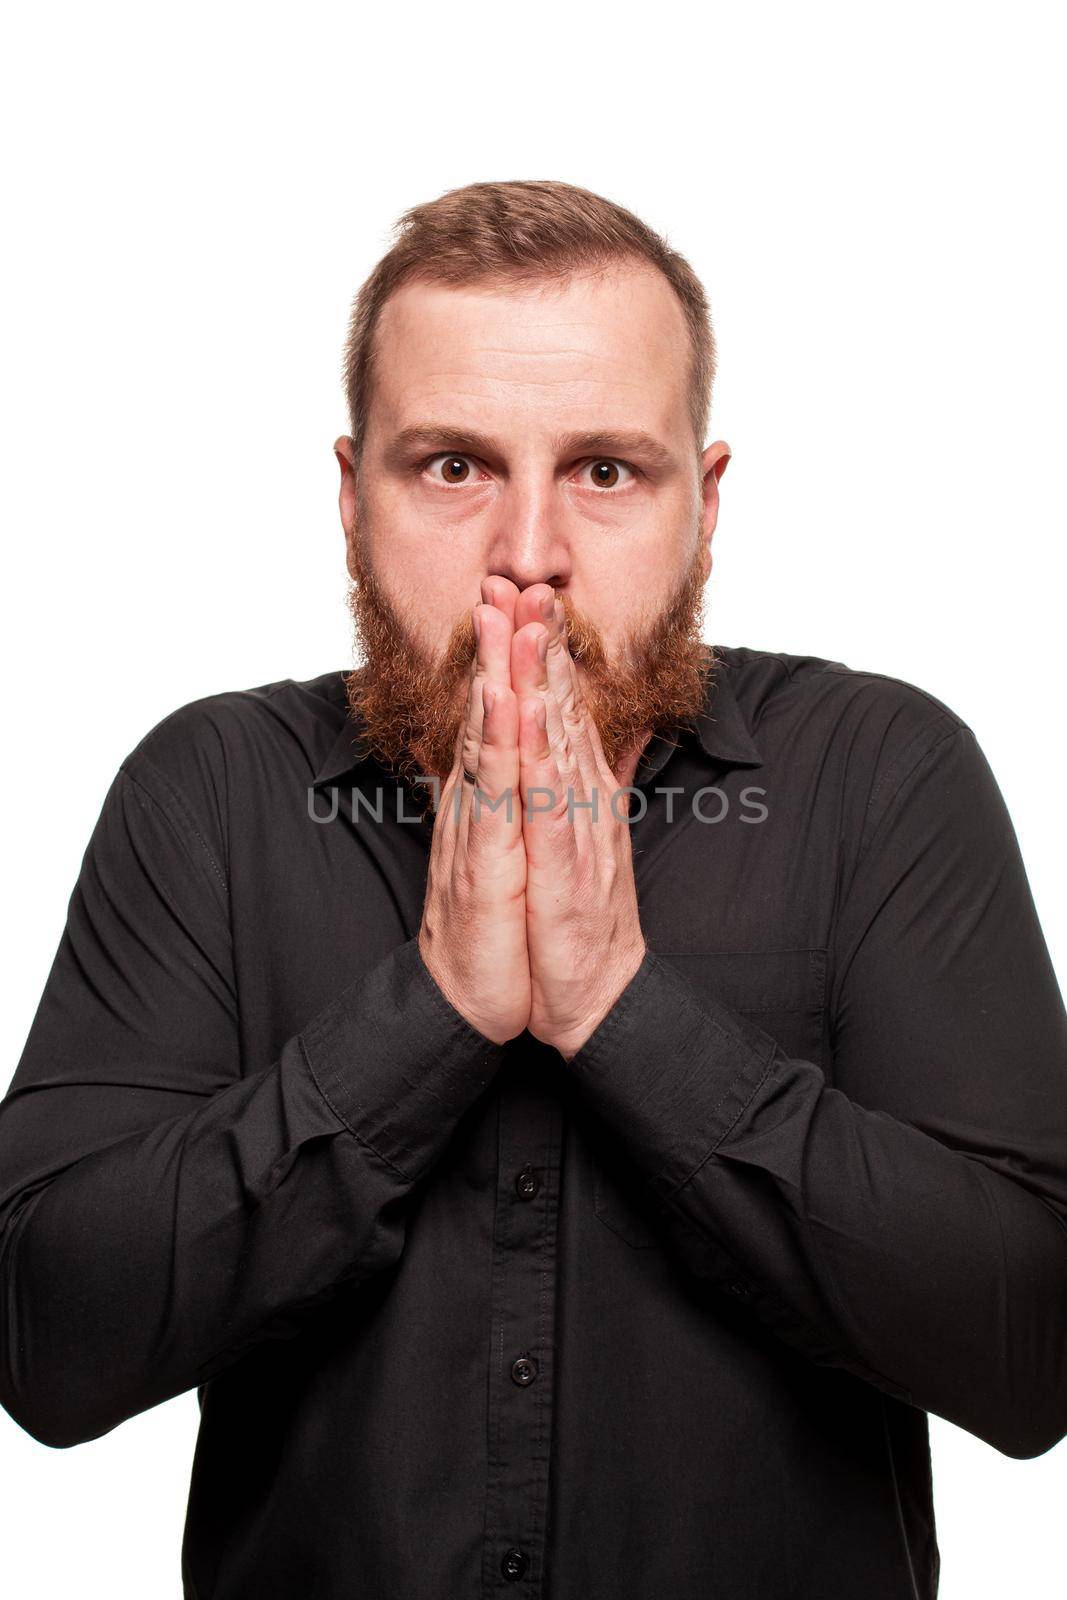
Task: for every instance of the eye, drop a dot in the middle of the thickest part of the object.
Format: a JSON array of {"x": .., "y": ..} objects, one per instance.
[
  {"x": 606, "y": 473},
  {"x": 456, "y": 468}
]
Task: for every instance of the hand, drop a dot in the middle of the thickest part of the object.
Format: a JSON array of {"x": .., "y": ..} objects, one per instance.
[
  {"x": 473, "y": 932},
  {"x": 583, "y": 929}
]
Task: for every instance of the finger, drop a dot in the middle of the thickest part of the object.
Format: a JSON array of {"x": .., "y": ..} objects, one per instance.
[
  {"x": 461, "y": 731},
  {"x": 443, "y": 837},
  {"x": 529, "y": 647},
  {"x": 575, "y": 717},
  {"x": 570, "y": 723},
  {"x": 528, "y": 605},
  {"x": 588, "y": 793},
  {"x": 551, "y": 840},
  {"x": 491, "y": 648},
  {"x": 477, "y": 671},
  {"x": 579, "y": 720},
  {"x": 500, "y": 592},
  {"x": 465, "y": 774},
  {"x": 533, "y": 673},
  {"x": 492, "y": 805},
  {"x": 492, "y": 665},
  {"x": 442, "y": 845}
]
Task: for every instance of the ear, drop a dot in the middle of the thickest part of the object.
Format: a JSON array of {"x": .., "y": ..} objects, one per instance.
[
  {"x": 713, "y": 465},
  {"x": 344, "y": 449}
]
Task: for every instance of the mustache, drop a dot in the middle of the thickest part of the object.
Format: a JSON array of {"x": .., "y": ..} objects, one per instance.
[
  {"x": 410, "y": 704},
  {"x": 584, "y": 641}
]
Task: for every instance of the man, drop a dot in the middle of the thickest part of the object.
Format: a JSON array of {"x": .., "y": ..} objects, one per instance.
[{"x": 570, "y": 1101}]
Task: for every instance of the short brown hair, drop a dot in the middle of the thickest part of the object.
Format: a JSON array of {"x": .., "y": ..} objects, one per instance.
[{"x": 524, "y": 231}]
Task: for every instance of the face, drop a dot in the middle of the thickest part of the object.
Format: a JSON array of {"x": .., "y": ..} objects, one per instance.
[{"x": 541, "y": 433}]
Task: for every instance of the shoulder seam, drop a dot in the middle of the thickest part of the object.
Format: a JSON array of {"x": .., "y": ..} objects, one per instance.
[
  {"x": 180, "y": 802},
  {"x": 935, "y": 744},
  {"x": 839, "y": 667}
]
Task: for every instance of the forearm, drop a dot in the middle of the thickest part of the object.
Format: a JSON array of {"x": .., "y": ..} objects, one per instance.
[
  {"x": 867, "y": 1243},
  {"x": 148, "y": 1265}
]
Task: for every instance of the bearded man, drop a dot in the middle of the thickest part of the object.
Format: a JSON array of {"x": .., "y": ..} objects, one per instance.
[{"x": 570, "y": 1100}]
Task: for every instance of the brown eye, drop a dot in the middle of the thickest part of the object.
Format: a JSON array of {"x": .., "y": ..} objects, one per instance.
[
  {"x": 605, "y": 473},
  {"x": 455, "y": 469}
]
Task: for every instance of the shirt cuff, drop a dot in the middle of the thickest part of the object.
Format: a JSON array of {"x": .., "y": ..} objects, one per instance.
[
  {"x": 397, "y": 1062},
  {"x": 670, "y": 1074}
]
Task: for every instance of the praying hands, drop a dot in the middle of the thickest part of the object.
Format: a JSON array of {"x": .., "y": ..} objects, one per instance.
[{"x": 530, "y": 918}]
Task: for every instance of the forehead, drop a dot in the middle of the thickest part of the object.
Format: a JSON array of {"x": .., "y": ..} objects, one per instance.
[{"x": 615, "y": 342}]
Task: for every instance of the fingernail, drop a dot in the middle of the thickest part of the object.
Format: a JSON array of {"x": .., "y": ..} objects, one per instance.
[
  {"x": 548, "y": 607},
  {"x": 542, "y": 646}
]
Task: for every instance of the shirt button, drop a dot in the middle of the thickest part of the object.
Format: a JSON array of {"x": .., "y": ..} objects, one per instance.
[
  {"x": 524, "y": 1370},
  {"x": 514, "y": 1564},
  {"x": 527, "y": 1184}
]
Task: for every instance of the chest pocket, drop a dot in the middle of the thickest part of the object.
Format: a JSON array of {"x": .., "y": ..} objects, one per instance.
[{"x": 781, "y": 991}]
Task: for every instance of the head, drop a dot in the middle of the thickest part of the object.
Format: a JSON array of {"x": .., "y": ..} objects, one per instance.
[{"x": 528, "y": 374}]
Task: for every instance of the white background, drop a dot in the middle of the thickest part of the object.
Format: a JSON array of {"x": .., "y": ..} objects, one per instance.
[{"x": 191, "y": 196}]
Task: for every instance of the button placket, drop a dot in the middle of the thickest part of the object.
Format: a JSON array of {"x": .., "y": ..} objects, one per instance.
[{"x": 523, "y": 1289}]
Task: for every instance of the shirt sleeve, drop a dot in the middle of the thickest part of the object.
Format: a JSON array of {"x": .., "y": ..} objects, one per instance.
[
  {"x": 160, "y": 1211},
  {"x": 907, "y": 1221}
]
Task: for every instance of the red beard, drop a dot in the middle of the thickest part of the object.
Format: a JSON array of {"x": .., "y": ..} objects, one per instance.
[{"x": 411, "y": 706}]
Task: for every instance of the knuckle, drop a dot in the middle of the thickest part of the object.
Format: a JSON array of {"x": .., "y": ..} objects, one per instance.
[
  {"x": 462, "y": 881},
  {"x": 491, "y": 809},
  {"x": 561, "y": 809},
  {"x": 552, "y": 808},
  {"x": 572, "y": 708}
]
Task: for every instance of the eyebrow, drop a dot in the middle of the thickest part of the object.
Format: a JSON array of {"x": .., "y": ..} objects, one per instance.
[{"x": 591, "y": 442}]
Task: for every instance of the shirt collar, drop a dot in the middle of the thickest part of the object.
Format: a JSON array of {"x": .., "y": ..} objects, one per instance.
[
  {"x": 346, "y": 753},
  {"x": 720, "y": 729}
]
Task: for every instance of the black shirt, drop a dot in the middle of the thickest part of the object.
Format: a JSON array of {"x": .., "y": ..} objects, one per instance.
[{"x": 464, "y": 1319}]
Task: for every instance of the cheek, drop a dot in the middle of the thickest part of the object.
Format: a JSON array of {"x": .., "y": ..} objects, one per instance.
[
  {"x": 428, "y": 594},
  {"x": 636, "y": 611},
  {"x": 617, "y": 607},
  {"x": 447, "y": 626}
]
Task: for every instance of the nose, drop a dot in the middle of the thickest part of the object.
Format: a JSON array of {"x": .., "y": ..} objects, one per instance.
[{"x": 529, "y": 543}]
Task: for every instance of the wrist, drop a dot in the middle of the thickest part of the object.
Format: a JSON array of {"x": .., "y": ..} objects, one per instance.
[{"x": 621, "y": 976}]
